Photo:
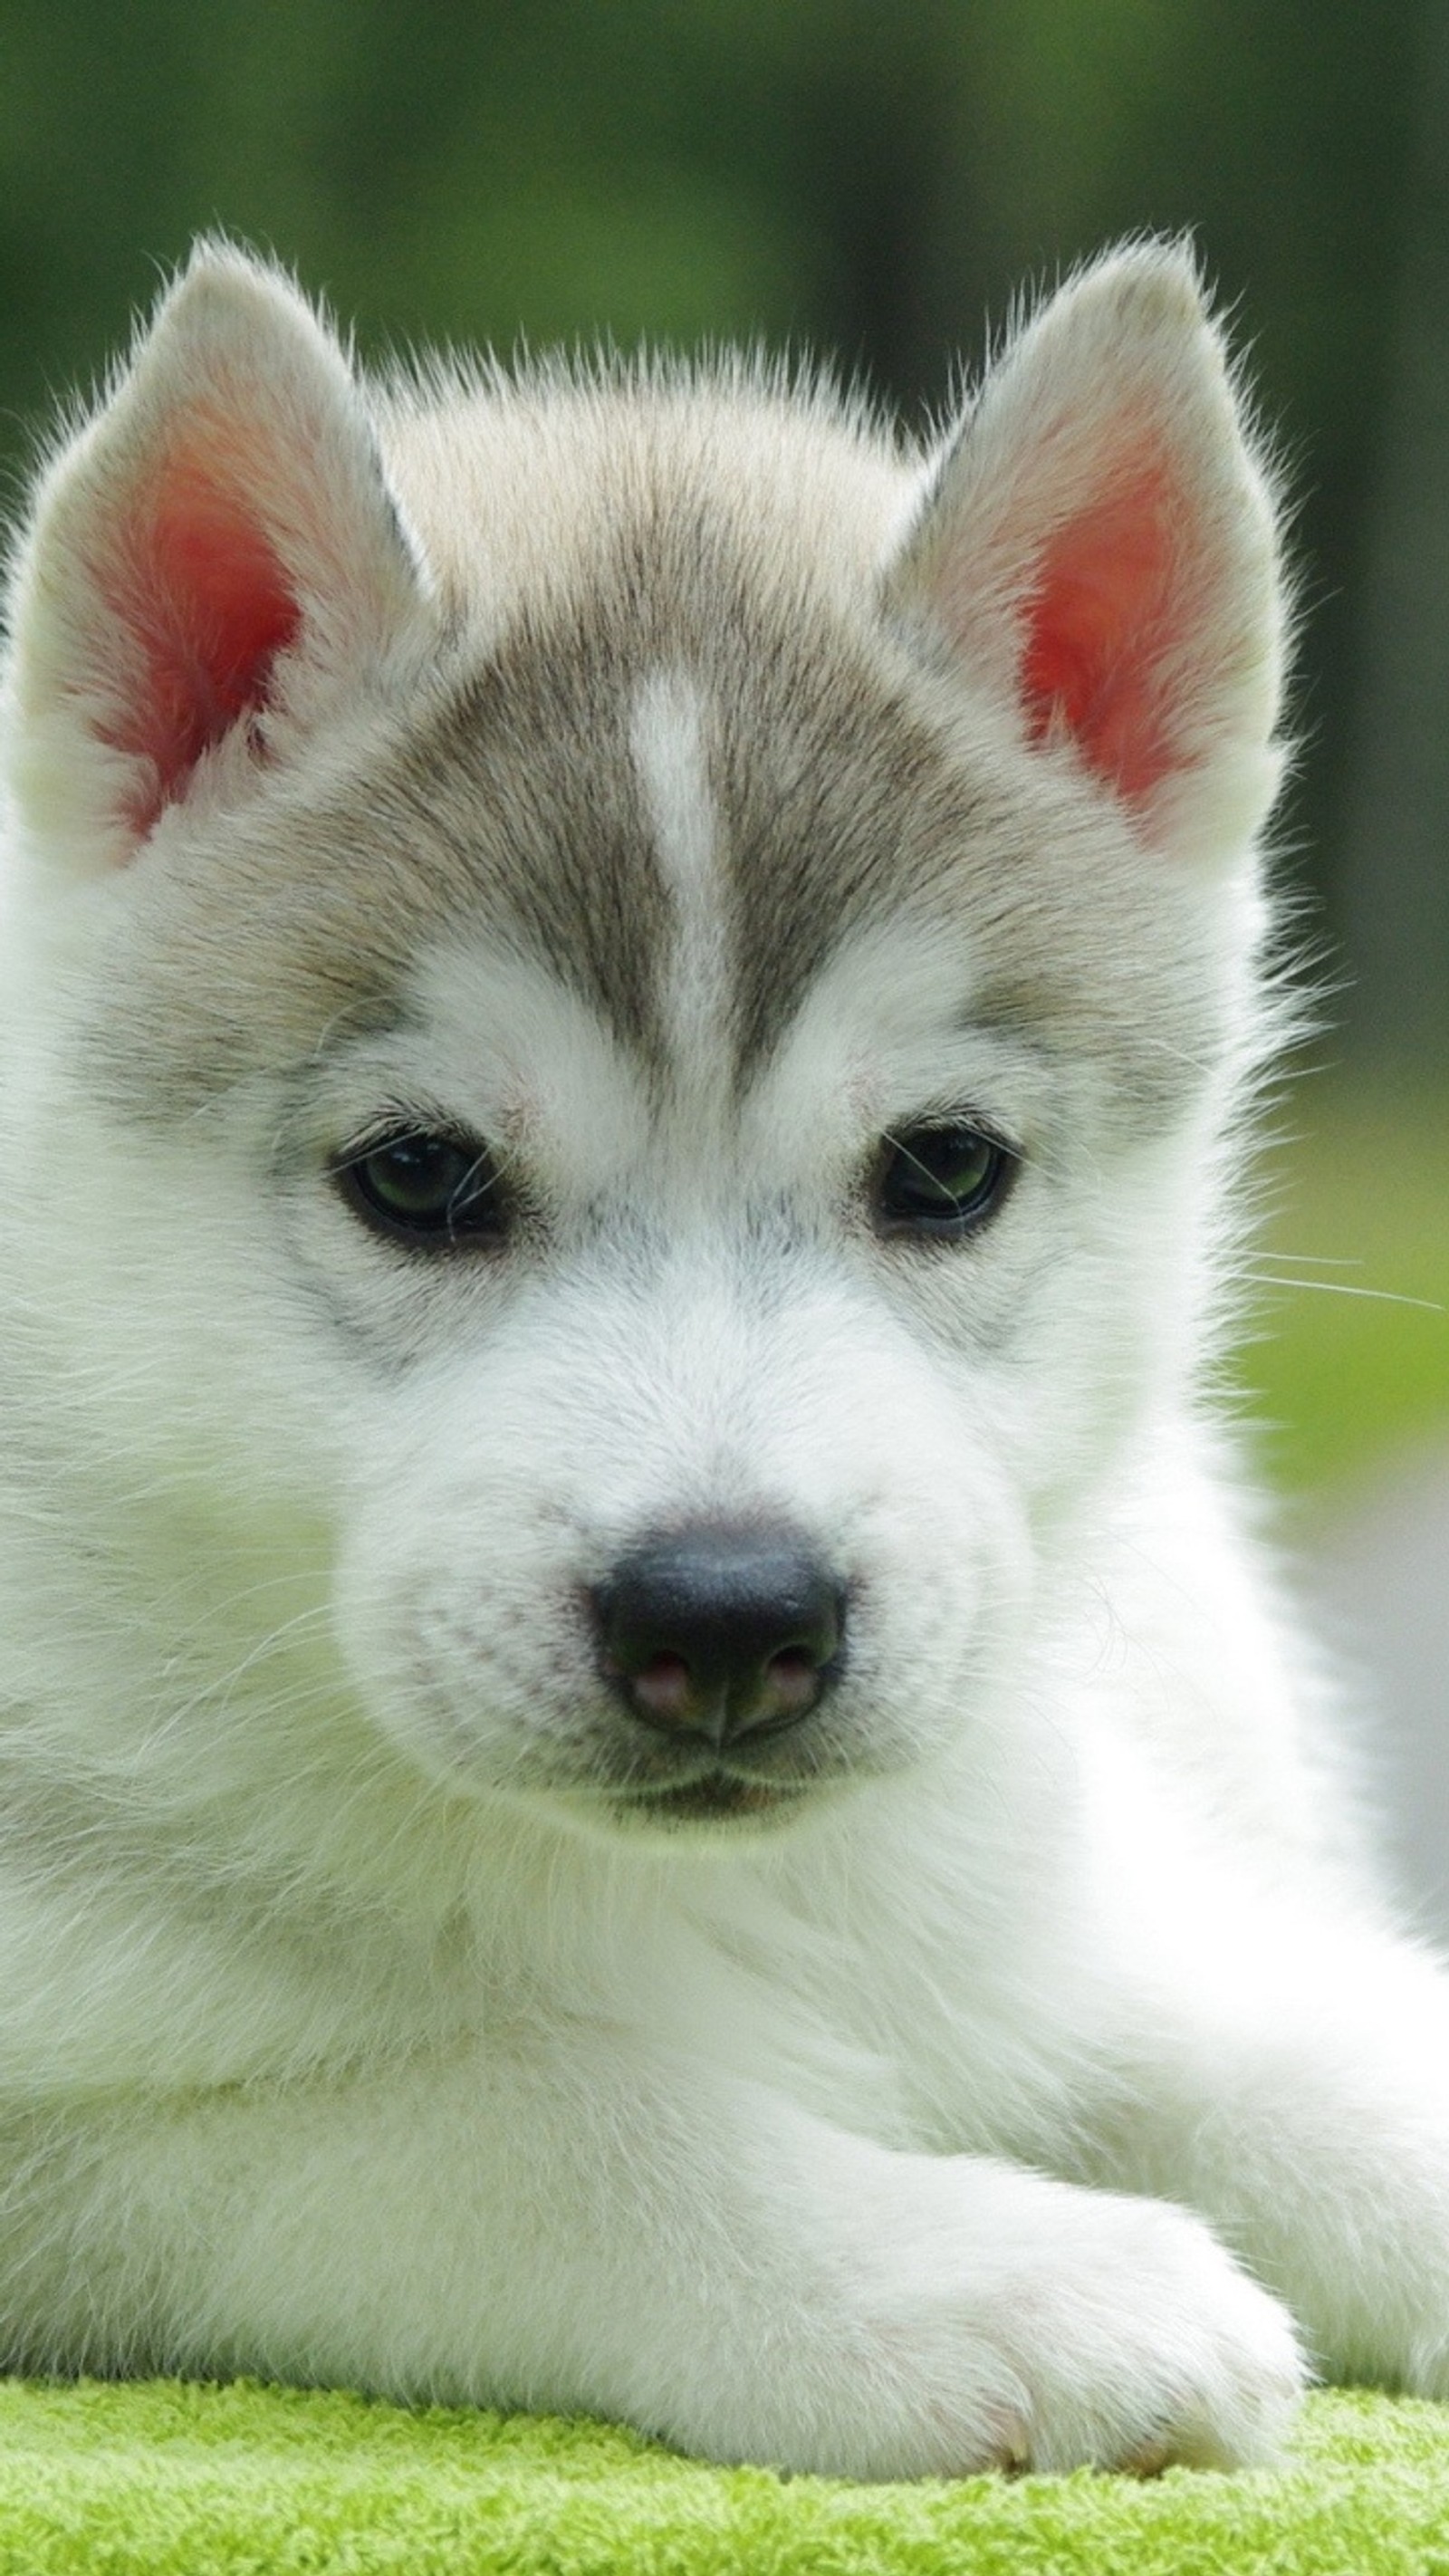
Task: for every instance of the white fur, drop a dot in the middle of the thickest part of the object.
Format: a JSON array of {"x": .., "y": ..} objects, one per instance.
[
  {"x": 666, "y": 741},
  {"x": 1049, "y": 2079}
]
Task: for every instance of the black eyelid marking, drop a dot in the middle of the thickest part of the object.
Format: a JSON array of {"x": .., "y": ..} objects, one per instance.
[{"x": 393, "y": 1122}]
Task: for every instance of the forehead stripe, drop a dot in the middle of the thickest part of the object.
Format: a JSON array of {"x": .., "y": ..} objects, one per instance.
[{"x": 667, "y": 745}]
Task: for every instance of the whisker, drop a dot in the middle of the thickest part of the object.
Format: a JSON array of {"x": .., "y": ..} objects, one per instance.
[
  {"x": 1315, "y": 1260},
  {"x": 1343, "y": 1288}
]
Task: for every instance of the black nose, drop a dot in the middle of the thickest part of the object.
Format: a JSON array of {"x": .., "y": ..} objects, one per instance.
[{"x": 721, "y": 1632}]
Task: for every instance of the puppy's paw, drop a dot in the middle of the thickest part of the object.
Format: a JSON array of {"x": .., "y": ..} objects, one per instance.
[
  {"x": 1144, "y": 2345},
  {"x": 1082, "y": 2330}
]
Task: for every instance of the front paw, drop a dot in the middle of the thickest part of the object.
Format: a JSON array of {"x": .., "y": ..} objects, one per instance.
[
  {"x": 1061, "y": 2329},
  {"x": 1140, "y": 2343}
]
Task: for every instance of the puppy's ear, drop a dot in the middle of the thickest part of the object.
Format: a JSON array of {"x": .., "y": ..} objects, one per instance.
[
  {"x": 219, "y": 542},
  {"x": 1096, "y": 545}
]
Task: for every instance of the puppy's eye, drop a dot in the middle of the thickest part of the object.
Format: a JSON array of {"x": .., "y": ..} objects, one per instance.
[
  {"x": 940, "y": 1180},
  {"x": 422, "y": 1189}
]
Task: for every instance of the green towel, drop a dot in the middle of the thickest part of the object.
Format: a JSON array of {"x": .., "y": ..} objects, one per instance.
[{"x": 176, "y": 2480}]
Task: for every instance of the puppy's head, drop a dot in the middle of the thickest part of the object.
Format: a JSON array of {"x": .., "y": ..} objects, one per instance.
[{"x": 635, "y": 991}]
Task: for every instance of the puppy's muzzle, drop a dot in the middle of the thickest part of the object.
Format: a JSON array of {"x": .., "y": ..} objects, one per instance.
[{"x": 719, "y": 1631}]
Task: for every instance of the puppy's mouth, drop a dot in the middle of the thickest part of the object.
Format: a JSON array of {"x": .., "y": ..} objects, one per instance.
[{"x": 714, "y": 1797}]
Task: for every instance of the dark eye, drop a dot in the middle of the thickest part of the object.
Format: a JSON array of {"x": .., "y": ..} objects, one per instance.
[
  {"x": 940, "y": 1180},
  {"x": 422, "y": 1189}
]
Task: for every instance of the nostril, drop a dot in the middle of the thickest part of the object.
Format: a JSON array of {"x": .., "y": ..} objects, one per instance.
[
  {"x": 661, "y": 1690},
  {"x": 719, "y": 1630},
  {"x": 794, "y": 1679}
]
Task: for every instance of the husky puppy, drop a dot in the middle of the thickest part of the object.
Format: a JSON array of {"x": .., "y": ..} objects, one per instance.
[{"x": 648, "y": 1763}]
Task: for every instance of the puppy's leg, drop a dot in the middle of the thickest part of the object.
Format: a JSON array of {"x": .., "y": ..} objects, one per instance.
[
  {"x": 1292, "y": 2084},
  {"x": 597, "y": 2227}
]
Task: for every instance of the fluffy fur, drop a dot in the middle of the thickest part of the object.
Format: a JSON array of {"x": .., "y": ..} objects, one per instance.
[{"x": 676, "y": 787}]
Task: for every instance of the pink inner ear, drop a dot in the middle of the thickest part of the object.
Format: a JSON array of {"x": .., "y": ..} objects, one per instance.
[
  {"x": 210, "y": 609},
  {"x": 1110, "y": 610}
]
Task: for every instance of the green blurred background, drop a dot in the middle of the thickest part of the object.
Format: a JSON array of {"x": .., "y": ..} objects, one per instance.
[{"x": 877, "y": 180}]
